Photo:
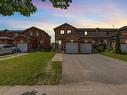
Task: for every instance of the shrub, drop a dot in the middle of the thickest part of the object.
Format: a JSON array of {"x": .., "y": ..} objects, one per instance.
[
  {"x": 101, "y": 47},
  {"x": 32, "y": 93},
  {"x": 109, "y": 50},
  {"x": 117, "y": 45}
]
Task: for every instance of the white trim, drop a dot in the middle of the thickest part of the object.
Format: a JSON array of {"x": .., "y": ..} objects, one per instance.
[{"x": 62, "y": 32}]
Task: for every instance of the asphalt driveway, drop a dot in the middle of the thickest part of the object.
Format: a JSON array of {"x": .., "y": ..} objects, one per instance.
[{"x": 93, "y": 69}]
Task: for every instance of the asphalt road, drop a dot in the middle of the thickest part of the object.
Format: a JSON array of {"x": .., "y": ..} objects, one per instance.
[{"x": 93, "y": 68}]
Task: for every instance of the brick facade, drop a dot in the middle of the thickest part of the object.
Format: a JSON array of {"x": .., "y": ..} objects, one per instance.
[
  {"x": 93, "y": 35},
  {"x": 34, "y": 37}
]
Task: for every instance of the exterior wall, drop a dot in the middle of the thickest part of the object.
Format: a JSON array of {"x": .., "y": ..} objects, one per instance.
[
  {"x": 71, "y": 38},
  {"x": 9, "y": 34},
  {"x": 38, "y": 40},
  {"x": 123, "y": 36},
  {"x": 123, "y": 33},
  {"x": 6, "y": 41},
  {"x": 22, "y": 39},
  {"x": 94, "y": 36},
  {"x": 59, "y": 36}
]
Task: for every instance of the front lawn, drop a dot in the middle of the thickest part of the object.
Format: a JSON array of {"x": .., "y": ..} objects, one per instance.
[
  {"x": 114, "y": 55},
  {"x": 29, "y": 69}
]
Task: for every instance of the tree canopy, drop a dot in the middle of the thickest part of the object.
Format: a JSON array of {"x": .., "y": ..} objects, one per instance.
[{"x": 26, "y": 7}]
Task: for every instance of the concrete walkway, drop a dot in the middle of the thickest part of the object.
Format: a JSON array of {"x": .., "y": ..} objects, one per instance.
[
  {"x": 58, "y": 57},
  {"x": 96, "y": 89},
  {"x": 12, "y": 56}
]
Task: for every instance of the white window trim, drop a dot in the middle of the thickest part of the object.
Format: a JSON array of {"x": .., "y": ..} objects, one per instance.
[
  {"x": 62, "y": 32},
  {"x": 69, "y": 31},
  {"x": 85, "y": 33}
]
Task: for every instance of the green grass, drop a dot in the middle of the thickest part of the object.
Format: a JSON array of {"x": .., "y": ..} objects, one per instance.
[
  {"x": 29, "y": 69},
  {"x": 117, "y": 56}
]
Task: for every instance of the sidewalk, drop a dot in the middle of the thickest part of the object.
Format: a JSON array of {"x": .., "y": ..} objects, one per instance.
[
  {"x": 58, "y": 57},
  {"x": 97, "y": 89}
]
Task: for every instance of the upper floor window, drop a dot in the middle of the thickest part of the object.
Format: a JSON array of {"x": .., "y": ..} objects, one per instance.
[
  {"x": 31, "y": 33},
  {"x": 85, "y": 33},
  {"x": 37, "y": 33},
  {"x": 68, "y": 31},
  {"x": 62, "y": 32}
]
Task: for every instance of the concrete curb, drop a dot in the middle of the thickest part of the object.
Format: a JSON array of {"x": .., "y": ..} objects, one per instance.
[{"x": 13, "y": 56}]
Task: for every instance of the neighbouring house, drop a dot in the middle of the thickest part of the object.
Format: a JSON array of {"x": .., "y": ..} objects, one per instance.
[
  {"x": 85, "y": 40},
  {"x": 123, "y": 38},
  {"x": 26, "y": 40}
]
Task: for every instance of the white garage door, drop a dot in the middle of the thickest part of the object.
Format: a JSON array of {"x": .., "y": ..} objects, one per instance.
[
  {"x": 23, "y": 47},
  {"x": 85, "y": 48},
  {"x": 124, "y": 48},
  {"x": 72, "y": 48}
]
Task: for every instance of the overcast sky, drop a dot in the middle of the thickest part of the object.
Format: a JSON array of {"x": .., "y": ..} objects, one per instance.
[{"x": 81, "y": 13}]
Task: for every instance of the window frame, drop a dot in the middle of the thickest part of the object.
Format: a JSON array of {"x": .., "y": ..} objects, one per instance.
[
  {"x": 31, "y": 33},
  {"x": 62, "y": 32},
  {"x": 69, "y": 31},
  {"x": 85, "y": 33},
  {"x": 37, "y": 33}
]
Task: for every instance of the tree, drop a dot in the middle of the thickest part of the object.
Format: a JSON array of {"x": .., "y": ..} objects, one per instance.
[
  {"x": 117, "y": 45},
  {"x": 26, "y": 7}
]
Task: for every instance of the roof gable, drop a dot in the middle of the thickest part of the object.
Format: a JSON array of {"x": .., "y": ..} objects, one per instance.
[
  {"x": 65, "y": 24},
  {"x": 123, "y": 28},
  {"x": 35, "y": 28}
]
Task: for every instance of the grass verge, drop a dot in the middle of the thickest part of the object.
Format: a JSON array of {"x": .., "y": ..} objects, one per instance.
[{"x": 114, "y": 55}]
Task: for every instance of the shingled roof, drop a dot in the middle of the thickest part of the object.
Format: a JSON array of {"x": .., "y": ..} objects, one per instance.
[
  {"x": 11, "y": 30},
  {"x": 97, "y": 29},
  {"x": 123, "y": 28}
]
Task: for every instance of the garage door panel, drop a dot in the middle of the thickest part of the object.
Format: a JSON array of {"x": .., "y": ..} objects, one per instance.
[
  {"x": 72, "y": 48},
  {"x": 85, "y": 48},
  {"x": 124, "y": 48},
  {"x": 23, "y": 47}
]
